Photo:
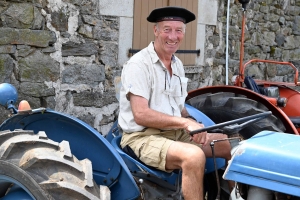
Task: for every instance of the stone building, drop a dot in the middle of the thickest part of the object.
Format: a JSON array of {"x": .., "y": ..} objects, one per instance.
[{"x": 66, "y": 54}]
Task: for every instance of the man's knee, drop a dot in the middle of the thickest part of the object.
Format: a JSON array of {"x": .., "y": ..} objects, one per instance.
[
  {"x": 195, "y": 157},
  {"x": 185, "y": 155}
]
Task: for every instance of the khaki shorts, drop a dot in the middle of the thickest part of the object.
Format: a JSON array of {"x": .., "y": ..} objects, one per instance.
[{"x": 151, "y": 145}]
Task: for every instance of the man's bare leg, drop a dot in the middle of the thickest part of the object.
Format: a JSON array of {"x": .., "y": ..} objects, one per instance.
[
  {"x": 191, "y": 159},
  {"x": 222, "y": 149}
]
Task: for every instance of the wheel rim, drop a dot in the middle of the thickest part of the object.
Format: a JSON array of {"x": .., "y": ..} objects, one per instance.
[{"x": 9, "y": 180}]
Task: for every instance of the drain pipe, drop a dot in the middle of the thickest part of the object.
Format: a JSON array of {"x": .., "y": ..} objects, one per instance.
[{"x": 227, "y": 40}]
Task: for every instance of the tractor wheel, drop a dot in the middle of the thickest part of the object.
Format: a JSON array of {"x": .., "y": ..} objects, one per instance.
[
  {"x": 42, "y": 168},
  {"x": 226, "y": 106}
]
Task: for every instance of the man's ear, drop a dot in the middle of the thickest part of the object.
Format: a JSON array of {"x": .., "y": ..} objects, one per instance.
[{"x": 155, "y": 30}]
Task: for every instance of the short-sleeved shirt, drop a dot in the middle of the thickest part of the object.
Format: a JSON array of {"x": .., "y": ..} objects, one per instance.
[{"x": 145, "y": 75}]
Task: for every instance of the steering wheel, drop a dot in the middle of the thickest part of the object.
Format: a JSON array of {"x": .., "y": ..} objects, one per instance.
[{"x": 233, "y": 126}]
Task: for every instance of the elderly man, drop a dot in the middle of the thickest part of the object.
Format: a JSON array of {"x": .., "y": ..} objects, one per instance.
[{"x": 152, "y": 115}]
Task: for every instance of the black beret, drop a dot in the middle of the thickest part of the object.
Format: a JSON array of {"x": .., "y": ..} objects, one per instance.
[{"x": 171, "y": 13}]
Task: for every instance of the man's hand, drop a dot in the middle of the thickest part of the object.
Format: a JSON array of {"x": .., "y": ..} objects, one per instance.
[{"x": 199, "y": 138}]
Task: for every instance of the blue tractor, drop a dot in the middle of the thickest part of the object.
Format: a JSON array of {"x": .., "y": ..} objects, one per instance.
[{"x": 45, "y": 154}]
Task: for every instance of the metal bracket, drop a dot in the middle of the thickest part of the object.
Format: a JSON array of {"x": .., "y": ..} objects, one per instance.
[{"x": 133, "y": 51}]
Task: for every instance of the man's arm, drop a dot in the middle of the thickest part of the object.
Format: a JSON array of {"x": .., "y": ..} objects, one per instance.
[{"x": 147, "y": 117}]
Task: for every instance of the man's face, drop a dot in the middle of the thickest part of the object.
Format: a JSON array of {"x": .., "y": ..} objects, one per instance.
[{"x": 169, "y": 35}]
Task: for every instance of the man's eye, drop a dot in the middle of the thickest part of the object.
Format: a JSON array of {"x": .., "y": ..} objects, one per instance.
[{"x": 166, "y": 30}]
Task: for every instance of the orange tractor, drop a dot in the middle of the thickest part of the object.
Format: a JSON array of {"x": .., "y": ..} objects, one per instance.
[{"x": 223, "y": 103}]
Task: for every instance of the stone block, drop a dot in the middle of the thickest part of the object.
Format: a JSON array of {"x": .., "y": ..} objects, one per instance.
[
  {"x": 270, "y": 17},
  {"x": 294, "y": 10},
  {"x": 91, "y": 20},
  {"x": 124, "y": 8},
  {"x": 87, "y": 118},
  {"x": 290, "y": 42},
  {"x": 264, "y": 9},
  {"x": 8, "y": 49},
  {"x": 283, "y": 70},
  {"x": 91, "y": 74},
  {"x": 38, "y": 21},
  {"x": 38, "y": 38},
  {"x": 83, "y": 49},
  {"x": 8, "y": 36},
  {"x": 94, "y": 99},
  {"x": 90, "y": 7},
  {"x": 296, "y": 26},
  {"x": 295, "y": 54},
  {"x": 24, "y": 50},
  {"x": 265, "y": 38},
  {"x": 48, "y": 102},
  {"x": 107, "y": 29},
  {"x": 86, "y": 31},
  {"x": 192, "y": 69},
  {"x": 6, "y": 68},
  {"x": 38, "y": 67},
  {"x": 20, "y": 15},
  {"x": 207, "y": 12},
  {"x": 36, "y": 89},
  {"x": 59, "y": 20},
  {"x": 271, "y": 70},
  {"x": 108, "y": 53}
]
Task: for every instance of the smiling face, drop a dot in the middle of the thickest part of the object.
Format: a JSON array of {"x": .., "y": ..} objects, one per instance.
[{"x": 168, "y": 37}]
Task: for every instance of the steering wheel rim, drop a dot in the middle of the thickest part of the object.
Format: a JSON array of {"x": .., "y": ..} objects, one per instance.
[{"x": 236, "y": 121}]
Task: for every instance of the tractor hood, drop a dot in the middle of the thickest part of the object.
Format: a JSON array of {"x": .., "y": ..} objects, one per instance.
[{"x": 269, "y": 160}]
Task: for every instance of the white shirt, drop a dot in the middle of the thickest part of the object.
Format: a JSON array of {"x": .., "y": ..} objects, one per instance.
[{"x": 146, "y": 76}]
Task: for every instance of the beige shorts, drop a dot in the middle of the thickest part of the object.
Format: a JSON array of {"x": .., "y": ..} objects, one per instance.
[{"x": 151, "y": 145}]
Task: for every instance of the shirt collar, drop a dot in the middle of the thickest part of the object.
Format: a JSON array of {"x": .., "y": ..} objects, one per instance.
[{"x": 154, "y": 56}]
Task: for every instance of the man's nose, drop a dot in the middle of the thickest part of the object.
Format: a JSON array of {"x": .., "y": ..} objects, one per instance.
[{"x": 173, "y": 34}]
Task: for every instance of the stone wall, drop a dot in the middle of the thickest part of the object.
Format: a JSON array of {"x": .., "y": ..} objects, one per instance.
[
  {"x": 61, "y": 55},
  {"x": 65, "y": 54},
  {"x": 272, "y": 33}
]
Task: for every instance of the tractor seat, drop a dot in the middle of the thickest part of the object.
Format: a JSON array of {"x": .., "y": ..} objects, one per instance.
[
  {"x": 136, "y": 166},
  {"x": 251, "y": 84}
]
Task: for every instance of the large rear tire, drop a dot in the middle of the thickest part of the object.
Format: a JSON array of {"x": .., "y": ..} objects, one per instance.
[
  {"x": 226, "y": 106},
  {"x": 44, "y": 169}
]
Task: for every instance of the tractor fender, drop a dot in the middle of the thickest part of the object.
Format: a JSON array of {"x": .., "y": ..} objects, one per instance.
[
  {"x": 85, "y": 142},
  {"x": 276, "y": 111}
]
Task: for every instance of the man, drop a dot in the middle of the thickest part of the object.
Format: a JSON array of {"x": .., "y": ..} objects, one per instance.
[{"x": 152, "y": 115}]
